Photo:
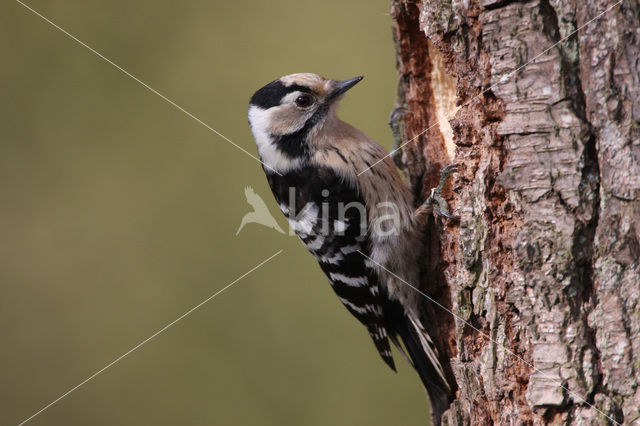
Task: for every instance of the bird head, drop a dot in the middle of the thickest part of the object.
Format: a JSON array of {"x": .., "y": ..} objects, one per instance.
[
  {"x": 289, "y": 103},
  {"x": 284, "y": 112}
]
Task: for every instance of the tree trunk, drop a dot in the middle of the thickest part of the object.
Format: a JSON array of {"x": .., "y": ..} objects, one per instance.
[{"x": 541, "y": 273}]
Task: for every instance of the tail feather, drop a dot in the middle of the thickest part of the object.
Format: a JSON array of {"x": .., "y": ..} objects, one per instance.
[
  {"x": 429, "y": 349},
  {"x": 380, "y": 339},
  {"x": 425, "y": 361},
  {"x": 423, "y": 356}
]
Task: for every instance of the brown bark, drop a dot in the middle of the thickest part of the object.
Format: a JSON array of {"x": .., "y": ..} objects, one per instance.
[{"x": 542, "y": 272}]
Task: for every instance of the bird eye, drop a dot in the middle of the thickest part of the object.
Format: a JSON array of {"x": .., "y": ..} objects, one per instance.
[{"x": 304, "y": 101}]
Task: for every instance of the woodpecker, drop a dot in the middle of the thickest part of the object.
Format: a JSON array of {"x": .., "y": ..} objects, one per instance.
[{"x": 362, "y": 228}]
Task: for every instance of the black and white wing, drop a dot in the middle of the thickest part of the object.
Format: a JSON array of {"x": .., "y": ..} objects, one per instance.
[{"x": 329, "y": 216}]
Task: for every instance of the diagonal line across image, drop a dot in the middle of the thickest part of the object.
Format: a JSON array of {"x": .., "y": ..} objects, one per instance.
[
  {"x": 502, "y": 80},
  {"x": 142, "y": 83},
  {"x": 143, "y": 342}
]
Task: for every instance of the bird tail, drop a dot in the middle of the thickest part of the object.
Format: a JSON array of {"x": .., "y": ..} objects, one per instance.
[
  {"x": 423, "y": 356},
  {"x": 425, "y": 360}
]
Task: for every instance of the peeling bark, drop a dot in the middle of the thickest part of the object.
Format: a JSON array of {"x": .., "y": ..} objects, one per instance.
[{"x": 542, "y": 273}]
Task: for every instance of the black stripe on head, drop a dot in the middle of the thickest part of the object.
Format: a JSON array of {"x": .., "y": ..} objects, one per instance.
[{"x": 271, "y": 94}]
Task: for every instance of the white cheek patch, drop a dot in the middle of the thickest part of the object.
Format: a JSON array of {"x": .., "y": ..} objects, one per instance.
[
  {"x": 286, "y": 118},
  {"x": 269, "y": 153}
]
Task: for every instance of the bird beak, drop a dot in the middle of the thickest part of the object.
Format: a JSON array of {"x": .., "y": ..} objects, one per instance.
[{"x": 342, "y": 86}]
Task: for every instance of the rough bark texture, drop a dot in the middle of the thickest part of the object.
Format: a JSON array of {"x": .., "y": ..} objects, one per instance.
[{"x": 542, "y": 271}]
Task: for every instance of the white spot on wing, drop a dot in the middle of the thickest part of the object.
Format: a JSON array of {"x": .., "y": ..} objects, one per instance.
[
  {"x": 350, "y": 249},
  {"x": 334, "y": 260},
  {"x": 356, "y": 308},
  {"x": 340, "y": 226},
  {"x": 284, "y": 208},
  {"x": 375, "y": 309},
  {"x": 304, "y": 221},
  {"x": 350, "y": 281},
  {"x": 315, "y": 244}
]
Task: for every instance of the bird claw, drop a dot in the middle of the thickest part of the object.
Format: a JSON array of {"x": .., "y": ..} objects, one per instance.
[
  {"x": 396, "y": 122},
  {"x": 438, "y": 204},
  {"x": 396, "y": 115}
]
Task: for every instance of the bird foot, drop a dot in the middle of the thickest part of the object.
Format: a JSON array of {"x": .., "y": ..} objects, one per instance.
[
  {"x": 436, "y": 204},
  {"x": 396, "y": 122}
]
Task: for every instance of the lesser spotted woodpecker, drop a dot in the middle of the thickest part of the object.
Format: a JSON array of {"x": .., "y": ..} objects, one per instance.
[{"x": 361, "y": 228}]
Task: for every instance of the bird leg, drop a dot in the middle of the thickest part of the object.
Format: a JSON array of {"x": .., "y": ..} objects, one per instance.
[{"x": 436, "y": 204}]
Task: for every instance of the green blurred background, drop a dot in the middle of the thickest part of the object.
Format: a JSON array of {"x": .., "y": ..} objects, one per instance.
[{"x": 119, "y": 214}]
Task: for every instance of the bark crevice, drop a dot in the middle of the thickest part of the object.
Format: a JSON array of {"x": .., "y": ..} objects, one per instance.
[{"x": 544, "y": 262}]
